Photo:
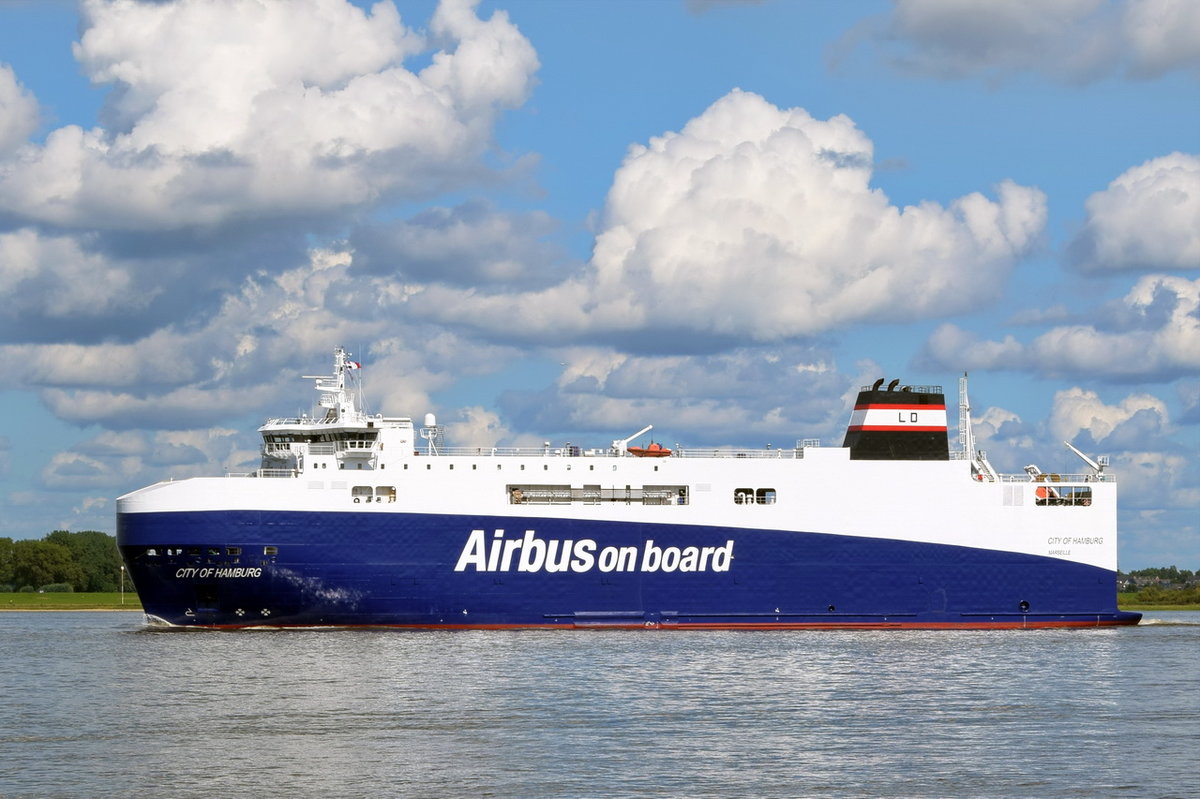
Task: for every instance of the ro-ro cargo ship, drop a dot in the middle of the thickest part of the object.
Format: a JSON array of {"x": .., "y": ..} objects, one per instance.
[{"x": 369, "y": 520}]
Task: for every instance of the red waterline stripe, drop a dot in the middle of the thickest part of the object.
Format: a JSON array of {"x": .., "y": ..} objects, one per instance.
[{"x": 675, "y": 626}]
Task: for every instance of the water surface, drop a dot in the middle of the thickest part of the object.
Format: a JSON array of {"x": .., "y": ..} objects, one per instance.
[{"x": 97, "y": 705}]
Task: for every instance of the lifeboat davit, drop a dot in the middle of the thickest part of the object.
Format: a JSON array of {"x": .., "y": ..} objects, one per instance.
[{"x": 655, "y": 450}]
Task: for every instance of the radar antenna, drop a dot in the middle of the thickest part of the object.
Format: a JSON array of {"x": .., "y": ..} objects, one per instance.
[{"x": 432, "y": 432}]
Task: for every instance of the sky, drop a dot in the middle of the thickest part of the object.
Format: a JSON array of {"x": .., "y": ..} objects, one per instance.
[{"x": 562, "y": 221}]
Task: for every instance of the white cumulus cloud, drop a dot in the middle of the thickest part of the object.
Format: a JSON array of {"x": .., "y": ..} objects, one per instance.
[
  {"x": 228, "y": 108},
  {"x": 759, "y": 223},
  {"x": 18, "y": 111},
  {"x": 56, "y": 277},
  {"x": 1077, "y": 410},
  {"x": 1148, "y": 218},
  {"x": 1153, "y": 333}
]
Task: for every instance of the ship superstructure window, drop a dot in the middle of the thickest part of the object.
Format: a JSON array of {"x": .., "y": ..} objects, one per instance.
[
  {"x": 1063, "y": 496},
  {"x": 346, "y": 440},
  {"x": 343, "y": 439},
  {"x": 754, "y": 496},
  {"x": 545, "y": 494},
  {"x": 664, "y": 495}
]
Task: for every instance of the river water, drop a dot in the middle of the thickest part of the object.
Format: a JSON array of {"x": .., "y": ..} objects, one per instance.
[{"x": 97, "y": 705}]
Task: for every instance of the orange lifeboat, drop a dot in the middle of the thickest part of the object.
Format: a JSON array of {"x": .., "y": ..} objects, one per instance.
[{"x": 655, "y": 450}]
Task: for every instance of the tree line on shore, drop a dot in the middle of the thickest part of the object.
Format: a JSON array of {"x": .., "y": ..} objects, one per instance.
[
  {"x": 89, "y": 561},
  {"x": 1166, "y": 585},
  {"x": 61, "y": 561}
]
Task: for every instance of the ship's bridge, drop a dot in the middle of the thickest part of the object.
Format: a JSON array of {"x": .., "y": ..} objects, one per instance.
[{"x": 297, "y": 445}]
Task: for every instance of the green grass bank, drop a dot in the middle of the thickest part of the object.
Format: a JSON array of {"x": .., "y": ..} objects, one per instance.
[{"x": 70, "y": 601}]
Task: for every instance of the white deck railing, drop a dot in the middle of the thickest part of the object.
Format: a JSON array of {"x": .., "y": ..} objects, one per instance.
[{"x": 575, "y": 452}]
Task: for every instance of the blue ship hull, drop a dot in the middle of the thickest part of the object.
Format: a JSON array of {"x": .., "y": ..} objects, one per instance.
[{"x": 275, "y": 568}]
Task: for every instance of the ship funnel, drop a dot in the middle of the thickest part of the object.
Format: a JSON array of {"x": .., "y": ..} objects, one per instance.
[{"x": 908, "y": 425}]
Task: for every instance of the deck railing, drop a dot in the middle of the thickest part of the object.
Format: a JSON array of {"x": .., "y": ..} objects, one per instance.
[
  {"x": 1056, "y": 479},
  {"x": 681, "y": 452},
  {"x": 576, "y": 452}
]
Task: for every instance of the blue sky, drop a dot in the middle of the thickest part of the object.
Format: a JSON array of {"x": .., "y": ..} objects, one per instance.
[{"x": 566, "y": 220}]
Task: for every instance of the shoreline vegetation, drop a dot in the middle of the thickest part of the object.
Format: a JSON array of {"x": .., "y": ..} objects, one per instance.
[
  {"x": 67, "y": 601},
  {"x": 82, "y": 600}
]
